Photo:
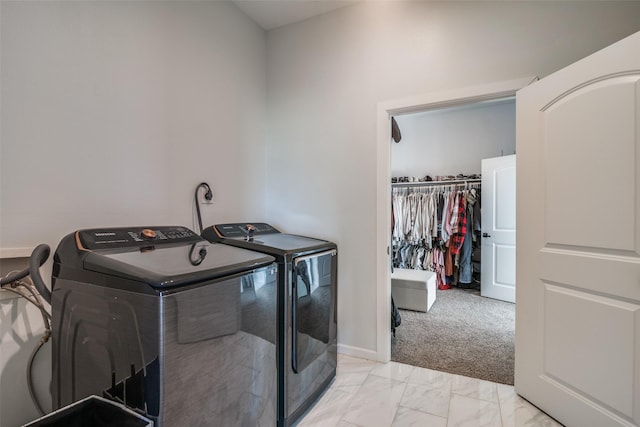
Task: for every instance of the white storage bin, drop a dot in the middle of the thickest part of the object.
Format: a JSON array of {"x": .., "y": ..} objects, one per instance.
[{"x": 413, "y": 289}]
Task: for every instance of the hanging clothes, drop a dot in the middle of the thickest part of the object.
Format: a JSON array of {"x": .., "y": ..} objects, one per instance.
[
  {"x": 433, "y": 229},
  {"x": 460, "y": 227}
]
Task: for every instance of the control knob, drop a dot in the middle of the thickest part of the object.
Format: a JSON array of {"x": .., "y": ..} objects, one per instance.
[
  {"x": 249, "y": 229},
  {"x": 148, "y": 234}
]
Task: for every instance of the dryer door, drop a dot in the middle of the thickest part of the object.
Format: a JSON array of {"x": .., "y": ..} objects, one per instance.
[{"x": 313, "y": 307}]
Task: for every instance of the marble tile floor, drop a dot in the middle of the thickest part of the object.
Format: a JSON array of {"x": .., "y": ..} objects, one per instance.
[{"x": 371, "y": 394}]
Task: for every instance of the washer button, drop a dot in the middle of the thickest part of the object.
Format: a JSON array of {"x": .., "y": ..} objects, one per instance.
[{"x": 147, "y": 233}]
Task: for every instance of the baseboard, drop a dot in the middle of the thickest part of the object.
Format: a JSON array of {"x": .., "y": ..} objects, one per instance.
[{"x": 362, "y": 353}]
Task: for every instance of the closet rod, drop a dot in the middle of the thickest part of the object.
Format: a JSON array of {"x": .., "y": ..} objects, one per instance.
[{"x": 435, "y": 183}]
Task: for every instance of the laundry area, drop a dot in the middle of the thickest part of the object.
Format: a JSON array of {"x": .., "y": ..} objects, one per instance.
[
  {"x": 182, "y": 330},
  {"x": 133, "y": 133},
  {"x": 138, "y": 317},
  {"x": 440, "y": 159}
]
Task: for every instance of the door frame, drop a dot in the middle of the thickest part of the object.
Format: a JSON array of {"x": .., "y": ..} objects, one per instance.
[{"x": 386, "y": 110}]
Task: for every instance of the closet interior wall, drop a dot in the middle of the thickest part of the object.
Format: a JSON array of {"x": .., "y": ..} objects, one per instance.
[{"x": 453, "y": 140}]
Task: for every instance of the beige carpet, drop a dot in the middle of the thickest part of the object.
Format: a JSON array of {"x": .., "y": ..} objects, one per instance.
[{"x": 463, "y": 333}]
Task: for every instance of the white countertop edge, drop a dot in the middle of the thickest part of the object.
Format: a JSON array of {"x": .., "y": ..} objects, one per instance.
[{"x": 15, "y": 252}]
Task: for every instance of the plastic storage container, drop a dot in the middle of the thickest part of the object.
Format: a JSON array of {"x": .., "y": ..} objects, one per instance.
[{"x": 93, "y": 411}]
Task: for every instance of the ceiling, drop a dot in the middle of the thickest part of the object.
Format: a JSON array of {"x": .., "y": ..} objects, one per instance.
[{"x": 271, "y": 14}]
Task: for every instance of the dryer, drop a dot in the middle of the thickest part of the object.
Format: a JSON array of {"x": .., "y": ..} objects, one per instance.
[
  {"x": 307, "y": 309},
  {"x": 176, "y": 328}
]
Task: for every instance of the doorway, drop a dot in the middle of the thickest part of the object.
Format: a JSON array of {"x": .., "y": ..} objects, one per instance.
[
  {"x": 436, "y": 169},
  {"x": 386, "y": 110}
]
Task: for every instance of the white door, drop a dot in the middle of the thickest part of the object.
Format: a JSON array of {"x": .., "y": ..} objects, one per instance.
[
  {"x": 498, "y": 272},
  {"x": 578, "y": 259}
]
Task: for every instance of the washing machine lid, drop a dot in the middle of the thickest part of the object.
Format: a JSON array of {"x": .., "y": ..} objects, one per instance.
[
  {"x": 179, "y": 257},
  {"x": 176, "y": 266},
  {"x": 266, "y": 239},
  {"x": 286, "y": 243}
]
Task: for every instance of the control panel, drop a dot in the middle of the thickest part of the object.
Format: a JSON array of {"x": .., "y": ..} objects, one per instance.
[
  {"x": 243, "y": 229},
  {"x": 126, "y": 237}
]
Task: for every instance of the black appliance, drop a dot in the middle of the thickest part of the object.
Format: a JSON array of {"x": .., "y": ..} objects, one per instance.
[
  {"x": 180, "y": 330},
  {"x": 307, "y": 314}
]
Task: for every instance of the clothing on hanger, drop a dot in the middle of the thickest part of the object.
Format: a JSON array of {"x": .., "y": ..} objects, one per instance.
[{"x": 433, "y": 228}]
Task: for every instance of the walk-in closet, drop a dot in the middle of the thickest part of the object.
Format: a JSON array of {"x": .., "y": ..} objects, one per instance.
[{"x": 439, "y": 204}]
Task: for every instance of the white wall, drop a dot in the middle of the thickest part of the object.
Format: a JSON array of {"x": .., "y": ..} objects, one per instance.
[
  {"x": 327, "y": 75},
  {"x": 112, "y": 113},
  {"x": 453, "y": 140}
]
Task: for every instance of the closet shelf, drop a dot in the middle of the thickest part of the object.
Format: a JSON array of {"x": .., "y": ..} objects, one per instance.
[{"x": 435, "y": 183}]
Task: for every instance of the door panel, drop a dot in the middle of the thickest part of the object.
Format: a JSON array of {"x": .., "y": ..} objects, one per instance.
[
  {"x": 504, "y": 197},
  {"x": 597, "y": 322},
  {"x": 611, "y": 106},
  {"x": 578, "y": 262},
  {"x": 505, "y": 255}
]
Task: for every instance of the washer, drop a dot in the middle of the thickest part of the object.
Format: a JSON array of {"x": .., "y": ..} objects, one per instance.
[
  {"x": 307, "y": 315},
  {"x": 176, "y": 328}
]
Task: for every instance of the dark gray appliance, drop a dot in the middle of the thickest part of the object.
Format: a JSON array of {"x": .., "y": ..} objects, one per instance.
[
  {"x": 307, "y": 318},
  {"x": 181, "y": 330}
]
